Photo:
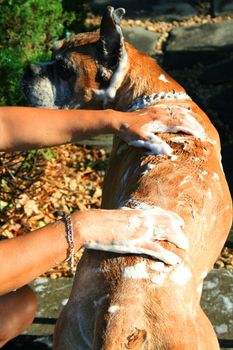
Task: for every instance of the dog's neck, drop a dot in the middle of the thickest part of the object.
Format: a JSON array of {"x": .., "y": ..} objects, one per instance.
[
  {"x": 146, "y": 101},
  {"x": 137, "y": 83}
]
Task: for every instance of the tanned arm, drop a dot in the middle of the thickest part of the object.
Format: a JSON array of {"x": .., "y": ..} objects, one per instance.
[
  {"x": 24, "y": 128},
  {"x": 25, "y": 257}
]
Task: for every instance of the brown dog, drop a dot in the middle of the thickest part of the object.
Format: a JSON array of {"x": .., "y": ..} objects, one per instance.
[{"x": 128, "y": 301}]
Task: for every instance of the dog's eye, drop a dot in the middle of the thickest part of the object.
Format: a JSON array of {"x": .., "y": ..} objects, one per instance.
[{"x": 65, "y": 67}]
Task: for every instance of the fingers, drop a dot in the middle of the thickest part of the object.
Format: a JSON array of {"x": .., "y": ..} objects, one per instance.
[
  {"x": 140, "y": 134},
  {"x": 164, "y": 225},
  {"x": 156, "y": 251},
  {"x": 147, "y": 140},
  {"x": 155, "y": 145},
  {"x": 174, "y": 119},
  {"x": 191, "y": 126},
  {"x": 153, "y": 250},
  {"x": 176, "y": 237}
]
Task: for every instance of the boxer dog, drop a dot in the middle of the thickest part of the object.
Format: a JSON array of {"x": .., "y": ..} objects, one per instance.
[{"x": 130, "y": 301}]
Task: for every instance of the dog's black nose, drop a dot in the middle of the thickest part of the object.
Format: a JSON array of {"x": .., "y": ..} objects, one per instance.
[{"x": 33, "y": 70}]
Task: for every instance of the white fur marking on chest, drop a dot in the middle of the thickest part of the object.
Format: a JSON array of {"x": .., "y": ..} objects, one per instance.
[
  {"x": 163, "y": 78},
  {"x": 113, "y": 308},
  {"x": 138, "y": 271}
]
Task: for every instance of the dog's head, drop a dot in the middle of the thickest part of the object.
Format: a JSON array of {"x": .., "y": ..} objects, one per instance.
[{"x": 85, "y": 71}]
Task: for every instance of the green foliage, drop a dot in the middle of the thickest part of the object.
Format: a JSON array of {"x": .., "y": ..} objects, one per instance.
[
  {"x": 28, "y": 29},
  {"x": 81, "y": 9},
  {"x": 47, "y": 153}
]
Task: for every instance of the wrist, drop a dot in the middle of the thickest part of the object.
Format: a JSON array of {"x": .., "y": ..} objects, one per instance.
[
  {"x": 77, "y": 219},
  {"x": 116, "y": 121}
]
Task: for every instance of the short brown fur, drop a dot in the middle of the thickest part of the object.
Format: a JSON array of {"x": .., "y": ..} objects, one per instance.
[{"x": 169, "y": 316}]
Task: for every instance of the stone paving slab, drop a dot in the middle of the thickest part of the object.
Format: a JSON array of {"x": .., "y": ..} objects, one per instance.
[
  {"x": 222, "y": 7},
  {"x": 158, "y": 9},
  {"x": 217, "y": 301},
  {"x": 166, "y": 10},
  {"x": 205, "y": 43},
  {"x": 218, "y": 72},
  {"x": 144, "y": 40},
  {"x": 223, "y": 103},
  {"x": 103, "y": 141},
  {"x": 173, "y": 10}
]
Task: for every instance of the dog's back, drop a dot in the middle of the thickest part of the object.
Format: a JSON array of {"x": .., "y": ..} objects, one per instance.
[
  {"x": 129, "y": 302},
  {"x": 132, "y": 302}
]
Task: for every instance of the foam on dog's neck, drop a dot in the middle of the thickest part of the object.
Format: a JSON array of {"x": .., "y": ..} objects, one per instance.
[{"x": 108, "y": 94}]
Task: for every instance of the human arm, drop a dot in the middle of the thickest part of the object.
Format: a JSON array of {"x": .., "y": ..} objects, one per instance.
[
  {"x": 24, "y": 258},
  {"x": 24, "y": 128}
]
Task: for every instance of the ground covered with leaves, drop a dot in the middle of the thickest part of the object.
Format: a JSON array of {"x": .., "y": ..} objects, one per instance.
[{"x": 36, "y": 184}]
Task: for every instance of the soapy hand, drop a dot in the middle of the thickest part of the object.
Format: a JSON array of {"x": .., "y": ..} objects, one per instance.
[
  {"x": 137, "y": 232},
  {"x": 141, "y": 126}
]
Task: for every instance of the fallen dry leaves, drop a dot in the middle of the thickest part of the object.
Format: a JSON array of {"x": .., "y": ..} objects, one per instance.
[{"x": 36, "y": 184}]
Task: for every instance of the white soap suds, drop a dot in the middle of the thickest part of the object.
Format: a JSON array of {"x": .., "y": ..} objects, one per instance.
[
  {"x": 137, "y": 271},
  {"x": 113, "y": 308},
  {"x": 181, "y": 275}
]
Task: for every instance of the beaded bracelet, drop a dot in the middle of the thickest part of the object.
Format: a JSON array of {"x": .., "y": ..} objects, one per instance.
[{"x": 70, "y": 239}]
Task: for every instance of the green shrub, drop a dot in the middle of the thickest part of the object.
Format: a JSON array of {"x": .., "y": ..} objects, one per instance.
[
  {"x": 27, "y": 30},
  {"x": 81, "y": 9}
]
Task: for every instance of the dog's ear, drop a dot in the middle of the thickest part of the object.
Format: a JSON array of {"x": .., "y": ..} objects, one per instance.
[
  {"x": 112, "y": 59},
  {"x": 111, "y": 37},
  {"x": 110, "y": 30}
]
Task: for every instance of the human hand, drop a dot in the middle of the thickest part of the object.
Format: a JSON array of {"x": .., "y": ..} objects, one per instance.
[
  {"x": 135, "y": 231},
  {"x": 139, "y": 127}
]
